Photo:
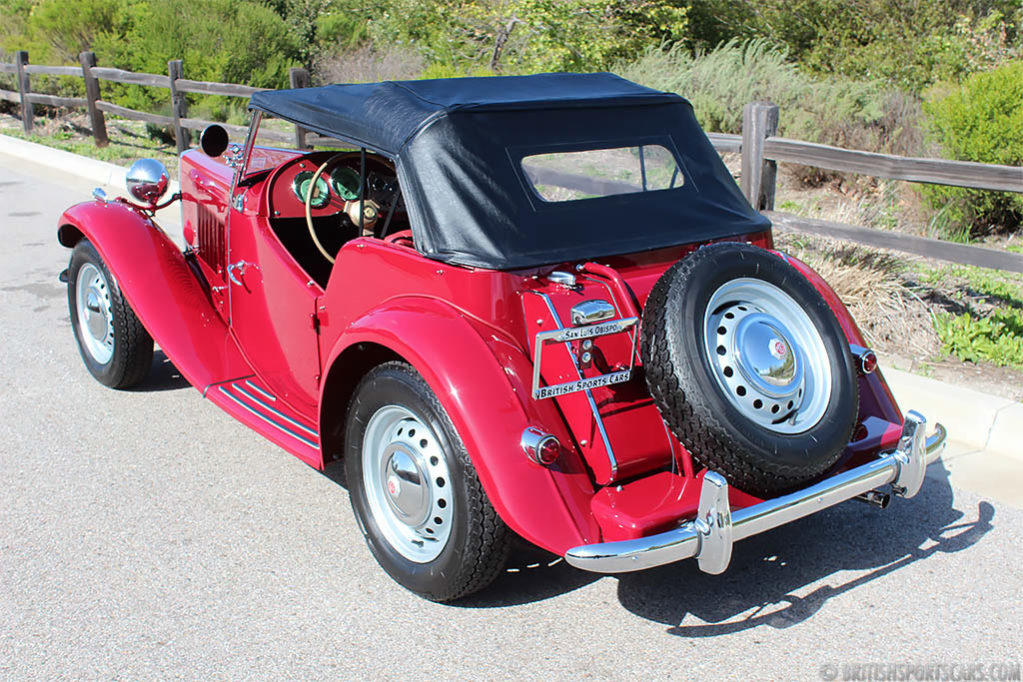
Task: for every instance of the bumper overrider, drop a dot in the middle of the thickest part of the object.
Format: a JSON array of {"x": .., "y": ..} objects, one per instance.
[{"x": 710, "y": 535}]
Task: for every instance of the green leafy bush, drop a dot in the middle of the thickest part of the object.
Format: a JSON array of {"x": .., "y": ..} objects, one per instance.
[
  {"x": 997, "y": 338},
  {"x": 981, "y": 120},
  {"x": 525, "y": 36},
  {"x": 909, "y": 45},
  {"x": 231, "y": 41},
  {"x": 218, "y": 40}
]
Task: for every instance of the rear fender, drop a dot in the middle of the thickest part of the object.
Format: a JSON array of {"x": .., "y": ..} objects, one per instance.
[
  {"x": 486, "y": 400},
  {"x": 876, "y": 396},
  {"x": 154, "y": 278}
]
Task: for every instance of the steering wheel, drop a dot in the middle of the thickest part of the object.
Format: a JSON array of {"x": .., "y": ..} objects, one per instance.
[{"x": 364, "y": 212}]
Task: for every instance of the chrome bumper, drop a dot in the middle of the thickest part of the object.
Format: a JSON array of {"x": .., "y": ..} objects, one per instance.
[{"x": 710, "y": 535}]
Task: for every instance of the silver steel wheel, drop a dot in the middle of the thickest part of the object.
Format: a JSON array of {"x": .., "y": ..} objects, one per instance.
[
  {"x": 95, "y": 319},
  {"x": 407, "y": 483},
  {"x": 767, "y": 355}
]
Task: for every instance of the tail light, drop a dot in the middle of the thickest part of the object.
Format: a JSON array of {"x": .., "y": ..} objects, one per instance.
[
  {"x": 541, "y": 447},
  {"x": 866, "y": 359}
]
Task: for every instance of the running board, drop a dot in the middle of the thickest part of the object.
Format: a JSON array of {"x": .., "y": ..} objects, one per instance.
[{"x": 248, "y": 401}]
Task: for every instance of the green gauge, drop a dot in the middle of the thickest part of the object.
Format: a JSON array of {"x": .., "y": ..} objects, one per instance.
[
  {"x": 346, "y": 183},
  {"x": 321, "y": 192}
]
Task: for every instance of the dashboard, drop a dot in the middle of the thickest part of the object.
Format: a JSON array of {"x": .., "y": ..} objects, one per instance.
[{"x": 342, "y": 180}]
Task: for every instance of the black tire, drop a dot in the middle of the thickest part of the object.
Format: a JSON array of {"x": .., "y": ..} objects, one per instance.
[
  {"x": 132, "y": 352},
  {"x": 693, "y": 402},
  {"x": 478, "y": 543}
]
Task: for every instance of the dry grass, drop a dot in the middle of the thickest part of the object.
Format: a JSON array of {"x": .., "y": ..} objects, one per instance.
[
  {"x": 367, "y": 65},
  {"x": 892, "y": 317}
]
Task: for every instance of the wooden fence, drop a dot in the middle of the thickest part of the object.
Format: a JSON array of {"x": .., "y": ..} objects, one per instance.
[
  {"x": 761, "y": 151},
  {"x": 174, "y": 81},
  {"x": 759, "y": 146}
]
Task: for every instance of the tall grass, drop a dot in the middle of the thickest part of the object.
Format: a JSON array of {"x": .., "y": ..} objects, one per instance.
[
  {"x": 720, "y": 82},
  {"x": 366, "y": 65}
]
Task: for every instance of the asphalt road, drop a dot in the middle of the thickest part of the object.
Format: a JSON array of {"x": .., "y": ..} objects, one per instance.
[{"x": 146, "y": 535}]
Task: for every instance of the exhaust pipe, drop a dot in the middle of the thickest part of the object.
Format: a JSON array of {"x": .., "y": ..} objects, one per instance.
[{"x": 875, "y": 498}]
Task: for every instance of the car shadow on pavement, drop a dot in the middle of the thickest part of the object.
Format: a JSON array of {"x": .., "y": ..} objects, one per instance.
[
  {"x": 531, "y": 574},
  {"x": 163, "y": 376},
  {"x": 764, "y": 584}
]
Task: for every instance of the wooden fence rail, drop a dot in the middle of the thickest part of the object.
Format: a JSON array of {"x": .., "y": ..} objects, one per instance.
[
  {"x": 759, "y": 145},
  {"x": 761, "y": 151},
  {"x": 174, "y": 82}
]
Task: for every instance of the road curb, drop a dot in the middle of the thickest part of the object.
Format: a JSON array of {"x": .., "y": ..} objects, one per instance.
[
  {"x": 979, "y": 420},
  {"x": 91, "y": 169},
  {"x": 102, "y": 172}
]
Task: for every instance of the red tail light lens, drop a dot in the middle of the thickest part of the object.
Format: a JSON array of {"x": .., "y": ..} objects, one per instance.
[
  {"x": 539, "y": 446},
  {"x": 868, "y": 362},
  {"x": 550, "y": 450}
]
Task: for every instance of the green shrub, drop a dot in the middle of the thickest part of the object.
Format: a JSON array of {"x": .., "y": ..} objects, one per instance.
[
  {"x": 526, "y": 36},
  {"x": 981, "y": 120},
  {"x": 997, "y": 338},
  {"x": 218, "y": 40},
  {"x": 231, "y": 41},
  {"x": 909, "y": 45}
]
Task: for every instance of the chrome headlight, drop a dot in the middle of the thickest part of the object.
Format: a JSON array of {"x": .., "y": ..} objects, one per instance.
[{"x": 147, "y": 181}]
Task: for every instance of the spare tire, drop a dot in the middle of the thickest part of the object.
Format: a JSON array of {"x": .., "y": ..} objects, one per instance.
[{"x": 749, "y": 368}]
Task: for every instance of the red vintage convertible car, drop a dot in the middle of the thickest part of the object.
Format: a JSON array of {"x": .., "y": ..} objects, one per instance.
[{"x": 533, "y": 306}]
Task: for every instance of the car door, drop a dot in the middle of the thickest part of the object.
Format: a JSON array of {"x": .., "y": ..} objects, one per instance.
[{"x": 272, "y": 306}]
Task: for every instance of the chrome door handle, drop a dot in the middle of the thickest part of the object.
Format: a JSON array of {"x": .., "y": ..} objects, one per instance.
[{"x": 240, "y": 266}]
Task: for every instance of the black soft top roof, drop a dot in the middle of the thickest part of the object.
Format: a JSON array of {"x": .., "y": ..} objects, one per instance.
[
  {"x": 459, "y": 145},
  {"x": 385, "y": 116}
]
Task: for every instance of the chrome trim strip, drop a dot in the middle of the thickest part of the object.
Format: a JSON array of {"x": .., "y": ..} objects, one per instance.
[
  {"x": 294, "y": 422},
  {"x": 267, "y": 419},
  {"x": 225, "y": 381},
  {"x": 260, "y": 391},
  {"x": 589, "y": 394},
  {"x": 707, "y": 536}
]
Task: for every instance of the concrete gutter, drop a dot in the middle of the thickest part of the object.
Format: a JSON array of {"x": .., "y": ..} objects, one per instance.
[
  {"x": 101, "y": 172},
  {"x": 978, "y": 420}
]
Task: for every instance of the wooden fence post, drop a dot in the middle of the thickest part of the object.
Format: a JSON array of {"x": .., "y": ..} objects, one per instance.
[
  {"x": 299, "y": 78},
  {"x": 99, "y": 123},
  {"x": 758, "y": 176},
  {"x": 20, "y": 61},
  {"x": 179, "y": 105}
]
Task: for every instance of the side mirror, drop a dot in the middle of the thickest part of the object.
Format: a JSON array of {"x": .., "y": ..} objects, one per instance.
[
  {"x": 147, "y": 181},
  {"x": 213, "y": 140}
]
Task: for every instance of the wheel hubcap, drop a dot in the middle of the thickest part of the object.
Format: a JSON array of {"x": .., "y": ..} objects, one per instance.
[
  {"x": 764, "y": 353},
  {"x": 407, "y": 483},
  {"x": 767, "y": 356},
  {"x": 406, "y": 489},
  {"x": 96, "y": 327}
]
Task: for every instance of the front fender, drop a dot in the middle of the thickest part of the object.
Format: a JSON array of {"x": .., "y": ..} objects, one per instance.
[
  {"x": 548, "y": 507},
  {"x": 154, "y": 278}
]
